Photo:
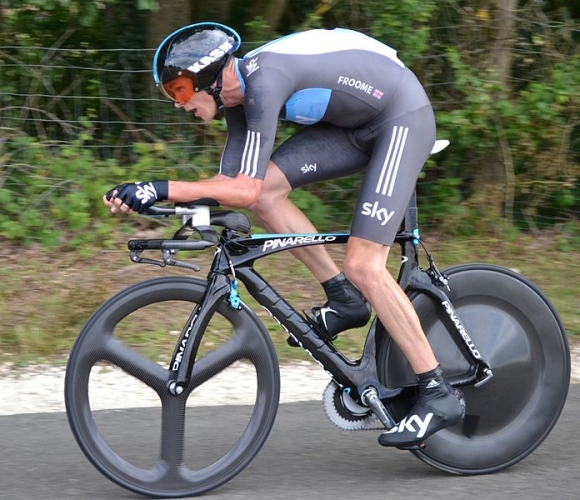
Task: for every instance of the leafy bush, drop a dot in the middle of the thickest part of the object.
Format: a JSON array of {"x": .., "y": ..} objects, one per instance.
[{"x": 52, "y": 193}]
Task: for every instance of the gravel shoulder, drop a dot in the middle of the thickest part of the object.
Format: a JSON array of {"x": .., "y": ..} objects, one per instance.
[{"x": 40, "y": 389}]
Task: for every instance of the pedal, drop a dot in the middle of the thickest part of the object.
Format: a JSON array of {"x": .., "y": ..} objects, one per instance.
[{"x": 413, "y": 447}]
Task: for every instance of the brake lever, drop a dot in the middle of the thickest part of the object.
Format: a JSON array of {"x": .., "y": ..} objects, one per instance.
[
  {"x": 168, "y": 260},
  {"x": 135, "y": 257}
]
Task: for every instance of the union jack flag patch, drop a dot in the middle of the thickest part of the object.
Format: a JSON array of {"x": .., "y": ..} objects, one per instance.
[{"x": 378, "y": 94}]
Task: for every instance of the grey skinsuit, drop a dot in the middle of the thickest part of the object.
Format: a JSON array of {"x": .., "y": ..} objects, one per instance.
[{"x": 363, "y": 110}]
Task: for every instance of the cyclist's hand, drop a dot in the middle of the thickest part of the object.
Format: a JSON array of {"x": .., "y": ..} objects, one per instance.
[{"x": 136, "y": 196}]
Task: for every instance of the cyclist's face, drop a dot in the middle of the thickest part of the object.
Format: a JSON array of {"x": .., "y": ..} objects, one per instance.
[
  {"x": 182, "y": 92},
  {"x": 201, "y": 104}
]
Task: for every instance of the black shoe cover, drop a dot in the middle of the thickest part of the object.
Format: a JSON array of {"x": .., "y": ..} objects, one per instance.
[
  {"x": 346, "y": 308},
  {"x": 437, "y": 409}
]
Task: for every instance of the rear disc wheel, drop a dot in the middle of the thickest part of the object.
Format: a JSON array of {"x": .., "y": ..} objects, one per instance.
[{"x": 518, "y": 331}]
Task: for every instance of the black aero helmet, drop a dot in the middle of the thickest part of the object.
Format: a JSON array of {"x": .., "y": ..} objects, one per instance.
[{"x": 198, "y": 51}]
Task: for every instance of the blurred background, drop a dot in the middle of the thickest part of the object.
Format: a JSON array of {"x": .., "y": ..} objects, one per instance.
[{"x": 79, "y": 113}]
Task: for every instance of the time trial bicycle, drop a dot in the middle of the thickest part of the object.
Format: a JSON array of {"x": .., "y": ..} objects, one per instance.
[{"x": 495, "y": 333}]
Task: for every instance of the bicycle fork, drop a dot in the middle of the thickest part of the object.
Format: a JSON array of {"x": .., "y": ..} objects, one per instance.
[{"x": 184, "y": 355}]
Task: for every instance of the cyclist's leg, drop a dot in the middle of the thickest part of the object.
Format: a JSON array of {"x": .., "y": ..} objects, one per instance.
[
  {"x": 401, "y": 147},
  {"x": 280, "y": 215},
  {"x": 365, "y": 266},
  {"x": 314, "y": 154}
]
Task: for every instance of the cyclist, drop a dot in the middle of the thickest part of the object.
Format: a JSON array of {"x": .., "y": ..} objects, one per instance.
[{"x": 362, "y": 110}]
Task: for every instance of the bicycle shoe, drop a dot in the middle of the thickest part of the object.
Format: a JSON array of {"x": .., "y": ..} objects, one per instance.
[
  {"x": 439, "y": 406},
  {"x": 346, "y": 308}
]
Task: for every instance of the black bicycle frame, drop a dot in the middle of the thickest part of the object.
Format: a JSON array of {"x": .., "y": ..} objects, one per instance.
[{"x": 234, "y": 259}]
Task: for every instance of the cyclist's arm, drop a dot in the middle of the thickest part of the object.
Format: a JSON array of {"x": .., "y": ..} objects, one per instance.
[
  {"x": 234, "y": 147},
  {"x": 241, "y": 191}
]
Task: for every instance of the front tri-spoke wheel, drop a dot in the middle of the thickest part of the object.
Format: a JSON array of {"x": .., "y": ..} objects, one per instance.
[
  {"x": 519, "y": 333},
  {"x": 129, "y": 425}
]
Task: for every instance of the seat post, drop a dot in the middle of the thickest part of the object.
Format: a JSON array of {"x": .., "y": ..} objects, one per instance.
[{"x": 411, "y": 222}]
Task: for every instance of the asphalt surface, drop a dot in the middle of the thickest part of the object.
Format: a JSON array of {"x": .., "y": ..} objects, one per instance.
[{"x": 305, "y": 457}]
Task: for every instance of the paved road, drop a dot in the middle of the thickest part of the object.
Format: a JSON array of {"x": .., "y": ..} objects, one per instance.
[{"x": 304, "y": 458}]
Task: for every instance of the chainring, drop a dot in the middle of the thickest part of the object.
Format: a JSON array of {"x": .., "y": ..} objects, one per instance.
[{"x": 345, "y": 412}]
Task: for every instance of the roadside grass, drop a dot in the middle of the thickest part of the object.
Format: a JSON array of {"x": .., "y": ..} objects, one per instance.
[{"x": 46, "y": 299}]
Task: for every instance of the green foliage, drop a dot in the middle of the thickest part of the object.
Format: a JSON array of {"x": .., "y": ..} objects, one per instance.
[
  {"x": 259, "y": 29},
  {"x": 512, "y": 150},
  {"x": 318, "y": 212},
  {"x": 51, "y": 193},
  {"x": 568, "y": 237},
  {"x": 444, "y": 198},
  {"x": 85, "y": 13},
  {"x": 404, "y": 25},
  {"x": 79, "y": 114},
  {"x": 546, "y": 114},
  {"x": 78, "y": 118}
]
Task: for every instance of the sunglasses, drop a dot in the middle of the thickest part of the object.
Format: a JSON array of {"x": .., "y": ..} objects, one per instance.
[{"x": 179, "y": 90}]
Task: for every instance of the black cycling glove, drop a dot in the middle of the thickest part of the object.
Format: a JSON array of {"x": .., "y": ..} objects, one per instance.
[{"x": 139, "y": 196}]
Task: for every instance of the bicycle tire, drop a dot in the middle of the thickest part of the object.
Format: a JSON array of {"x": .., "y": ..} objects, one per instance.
[
  {"x": 173, "y": 470},
  {"x": 519, "y": 332}
]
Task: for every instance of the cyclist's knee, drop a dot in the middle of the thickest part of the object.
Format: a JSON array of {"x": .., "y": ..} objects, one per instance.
[
  {"x": 364, "y": 263},
  {"x": 357, "y": 272}
]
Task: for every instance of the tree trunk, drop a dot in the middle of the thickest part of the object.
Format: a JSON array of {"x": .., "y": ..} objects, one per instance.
[
  {"x": 494, "y": 183},
  {"x": 271, "y": 10},
  {"x": 219, "y": 11},
  {"x": 501, "y": 55},
  {"x": 171, "y": 15}
]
